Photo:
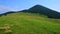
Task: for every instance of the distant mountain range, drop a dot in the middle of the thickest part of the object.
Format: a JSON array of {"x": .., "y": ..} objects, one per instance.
[{"x": 41, "y": 10}]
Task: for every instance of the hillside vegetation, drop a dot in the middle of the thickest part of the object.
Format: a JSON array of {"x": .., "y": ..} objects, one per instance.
[{"x": 28, "y": 23}]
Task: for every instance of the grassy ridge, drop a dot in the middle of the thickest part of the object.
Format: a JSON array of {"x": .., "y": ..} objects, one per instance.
[{"x": 27, "y": 23}]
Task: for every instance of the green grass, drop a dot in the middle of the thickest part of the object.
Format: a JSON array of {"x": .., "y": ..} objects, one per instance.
[{"x": 27, "y": 23}]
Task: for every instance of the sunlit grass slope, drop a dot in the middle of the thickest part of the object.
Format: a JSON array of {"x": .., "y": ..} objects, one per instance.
[{"x": 27, "y": 23}]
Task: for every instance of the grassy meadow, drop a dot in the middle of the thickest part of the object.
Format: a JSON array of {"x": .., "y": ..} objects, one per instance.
[{"x": 28, "y": 23}]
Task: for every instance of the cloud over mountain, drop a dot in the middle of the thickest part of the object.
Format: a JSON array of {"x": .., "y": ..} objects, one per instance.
[
  {"x": 4, "y": 9},
  {"x": 8, "y": 8}
]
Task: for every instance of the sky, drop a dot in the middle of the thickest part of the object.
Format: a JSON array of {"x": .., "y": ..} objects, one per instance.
[{"x": 17, "y": 5}]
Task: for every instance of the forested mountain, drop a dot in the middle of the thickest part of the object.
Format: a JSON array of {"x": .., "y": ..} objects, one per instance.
[{"x": 45, "y": 11}]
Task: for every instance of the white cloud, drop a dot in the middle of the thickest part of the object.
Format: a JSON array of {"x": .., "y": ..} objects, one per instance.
[
  {"x": 4, "y": 9},
  {"x": 8, "y": 8}
]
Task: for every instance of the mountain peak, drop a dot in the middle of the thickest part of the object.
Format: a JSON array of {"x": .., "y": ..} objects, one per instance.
[
  {"x": 38, "y": 5},
  {"x": 45, "y": 11}
]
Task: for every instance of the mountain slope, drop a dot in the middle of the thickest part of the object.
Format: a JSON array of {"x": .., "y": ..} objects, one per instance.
[
  {"x": 28, "y": 23},
  {"x": 45, "y": 11}
]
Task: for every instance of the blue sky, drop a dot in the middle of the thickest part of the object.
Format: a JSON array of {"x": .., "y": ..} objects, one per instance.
[{"x": 16, "y": 5}]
